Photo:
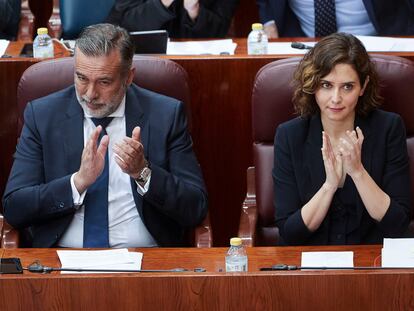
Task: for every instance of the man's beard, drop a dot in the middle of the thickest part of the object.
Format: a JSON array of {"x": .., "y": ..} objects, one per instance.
[{"x": 105, "y": 109}]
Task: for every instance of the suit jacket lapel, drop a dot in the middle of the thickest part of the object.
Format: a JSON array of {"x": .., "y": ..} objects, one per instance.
[
  {"x": 72, "y": 133},
  {"x": 369, "y": 5},
  {"x": 134, "y": 116}
]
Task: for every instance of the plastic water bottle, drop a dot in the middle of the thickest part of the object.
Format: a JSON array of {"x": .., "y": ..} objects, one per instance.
[
  {"x": 257, "y": 40},
  {"x": 236, "y": 257},
  {"x": 42, "y": 44}
]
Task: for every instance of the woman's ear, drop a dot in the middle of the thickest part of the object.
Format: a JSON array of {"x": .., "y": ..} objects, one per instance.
[{"x": 365, "y": 86}]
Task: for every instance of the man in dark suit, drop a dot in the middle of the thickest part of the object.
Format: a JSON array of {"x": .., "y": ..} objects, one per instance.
[
  {"x": 9, "y": 18},
  {"x": 287, "y": 18},
  {"x": 154, "y": 188},
  {"x": 181, "y": 18}
]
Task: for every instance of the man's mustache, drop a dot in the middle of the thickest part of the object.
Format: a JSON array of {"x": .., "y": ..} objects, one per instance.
[{"x": 86, "y": 100}]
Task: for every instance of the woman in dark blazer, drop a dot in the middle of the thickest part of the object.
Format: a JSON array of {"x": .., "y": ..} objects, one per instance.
[{"x": 355, "y": 189}]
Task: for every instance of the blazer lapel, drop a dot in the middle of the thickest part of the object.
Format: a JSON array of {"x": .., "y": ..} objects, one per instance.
[
  {"x": 312, "y": 157},
  {"x": 366, "y": 156},
  {"x": 72, "y": 133}
]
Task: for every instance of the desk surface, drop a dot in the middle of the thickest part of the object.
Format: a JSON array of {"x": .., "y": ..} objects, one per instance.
[
  {"x": 15, "y": 47},
  {"x": 211, "y": 290}
]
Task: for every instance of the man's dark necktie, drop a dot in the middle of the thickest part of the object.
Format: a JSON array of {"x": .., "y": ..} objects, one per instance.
[
  {"x": 95, "y": 228},
  {"x": 325, "y": 18}
]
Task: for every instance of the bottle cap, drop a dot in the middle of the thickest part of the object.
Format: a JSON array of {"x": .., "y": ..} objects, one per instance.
[
  {"x": 235, "y": 241},
  {"x": 42, "y": 31},
  {"x": 257, "y": 26}
]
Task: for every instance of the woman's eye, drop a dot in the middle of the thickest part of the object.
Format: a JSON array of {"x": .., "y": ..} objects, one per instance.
[
  {"x": 348, "y": 87},
  {"x": 325, "y": 85}
]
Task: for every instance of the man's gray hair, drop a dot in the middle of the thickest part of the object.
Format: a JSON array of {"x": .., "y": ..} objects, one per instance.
[{"x": 102, "y": 39}]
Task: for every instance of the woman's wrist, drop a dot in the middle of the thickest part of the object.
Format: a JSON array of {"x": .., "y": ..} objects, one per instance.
[
  {"x": 329, "y": 187},
  {"x": 358, "y": 174}
]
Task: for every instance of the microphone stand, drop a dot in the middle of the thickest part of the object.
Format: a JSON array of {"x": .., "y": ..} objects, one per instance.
[
  {"x": 37, "y": 267},
  {"x": 300, "y": 46},
  {"x": 283, "y": 267}
]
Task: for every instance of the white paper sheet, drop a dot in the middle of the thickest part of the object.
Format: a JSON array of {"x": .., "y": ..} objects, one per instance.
[
  {"x": 327, "y": 259},
  {"x": 403, "y": 45},
  {"x": 377, "y": 44},
  {"x": 371, "y": 43},
  {"x": 210, "y": 47},
  {"x": 398, "y": 243},
  {"x": 3, "y": 46},
  {"x": 387, "y": 44},
  {"x": 398, "y": 253},
  {"x": 115, "y": 259}
]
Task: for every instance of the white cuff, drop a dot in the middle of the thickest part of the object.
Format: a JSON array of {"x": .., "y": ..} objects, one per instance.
[
  {"x": 77, "y": 198},
  {"x": 269, "y": 23},
  {"x": 143, "y": 190}
]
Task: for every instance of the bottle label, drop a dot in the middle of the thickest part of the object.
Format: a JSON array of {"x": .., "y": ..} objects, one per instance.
[
  {"x": 236, "y": 268},
  {"x": 236, "y": 264}
]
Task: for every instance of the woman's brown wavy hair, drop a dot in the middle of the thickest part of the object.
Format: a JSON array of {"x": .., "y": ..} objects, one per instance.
[{"x": 338, "y": 48}]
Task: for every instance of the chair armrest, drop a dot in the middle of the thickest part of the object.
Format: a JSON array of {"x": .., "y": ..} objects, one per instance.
[
  {"x": 203, "y": 233},
  {"x": 9, "y": 236},
  {"x": 1, "y": 227},
  {"x": 248, "y": 215}
]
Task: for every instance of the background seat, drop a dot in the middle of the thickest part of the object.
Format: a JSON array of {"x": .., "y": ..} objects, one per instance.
[
  {"x": 272, "y": 105},
  {"x": 156, "y": 74},
  {"x": 77, "y": 14}
]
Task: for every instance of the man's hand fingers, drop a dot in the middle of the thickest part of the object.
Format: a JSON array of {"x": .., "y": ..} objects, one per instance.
[
  {"x": 103, "y": 145},
  {"x": 136, "y": 134}
]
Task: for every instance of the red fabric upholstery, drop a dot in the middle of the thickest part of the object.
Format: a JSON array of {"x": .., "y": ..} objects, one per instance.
[{"x": 272, "y": 105}]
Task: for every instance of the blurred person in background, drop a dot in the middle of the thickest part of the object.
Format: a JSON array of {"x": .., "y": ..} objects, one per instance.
[
  {"x": 181, "y": 18},
  {"x": 296, "y": 18},
  {"x": 9, "y": 18}
]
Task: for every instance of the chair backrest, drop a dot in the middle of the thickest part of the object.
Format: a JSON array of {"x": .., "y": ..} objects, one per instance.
[
  {"x": 272, "y": 105},
  {"x": 77, "y": 14},
  {"x": 156, "y": 74}
]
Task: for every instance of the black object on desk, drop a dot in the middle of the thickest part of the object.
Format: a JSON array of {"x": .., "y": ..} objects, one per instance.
[
  {"x": 150, "y": 42},
  {"x": 300, "y": 46},
  {"x": 10, "y": 266},
  {"x": 27, "y": 50}
]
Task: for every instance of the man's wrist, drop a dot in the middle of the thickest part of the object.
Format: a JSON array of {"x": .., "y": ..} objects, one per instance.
[
  {"x": 144, "y": 174},
  {"x": 79, "y": 184}
]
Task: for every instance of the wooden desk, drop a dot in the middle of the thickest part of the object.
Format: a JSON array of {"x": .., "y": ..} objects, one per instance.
[
  {"x": 221, "y": 88},
  {"x": 211, "y": 290}
]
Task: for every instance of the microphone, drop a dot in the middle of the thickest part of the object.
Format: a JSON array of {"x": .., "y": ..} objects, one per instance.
[
  {"x": 283, "y": 267},
  {"x": 37, "y": 267},
  {"x": 300, "y": 46}
]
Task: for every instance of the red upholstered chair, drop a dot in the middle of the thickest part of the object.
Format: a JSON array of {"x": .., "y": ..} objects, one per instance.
[
  {"x": 160, "y": 75},
  {"x": 271, "y": 105}
]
